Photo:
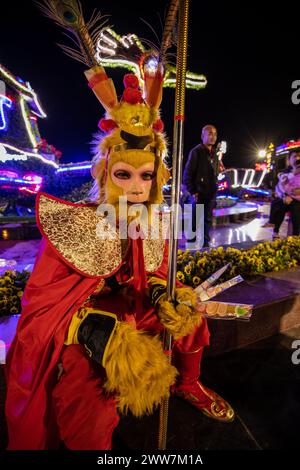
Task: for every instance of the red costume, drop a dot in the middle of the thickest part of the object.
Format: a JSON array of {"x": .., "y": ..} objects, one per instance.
[
  {"x": 41, "y": 409},
  {"x": 87, "y": 342}
]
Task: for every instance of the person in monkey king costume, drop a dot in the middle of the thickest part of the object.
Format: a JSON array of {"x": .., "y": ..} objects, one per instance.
[{"x": 88, "y": 341}]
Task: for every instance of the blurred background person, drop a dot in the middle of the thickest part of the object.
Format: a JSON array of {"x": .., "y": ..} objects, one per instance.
[
  {"x": 200, "y": 180},
  {"x": 288, "y": 196}
]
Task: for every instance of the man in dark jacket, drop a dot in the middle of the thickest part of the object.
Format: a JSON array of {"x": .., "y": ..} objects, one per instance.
[{"x": 200, "y": 180}]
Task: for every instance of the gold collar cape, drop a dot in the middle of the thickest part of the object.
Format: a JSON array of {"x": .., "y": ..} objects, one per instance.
[{"x": 71, "y": 229}]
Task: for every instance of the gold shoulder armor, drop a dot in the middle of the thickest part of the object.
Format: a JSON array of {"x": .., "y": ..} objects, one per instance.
[
  {"x": 73, "y": 231},
  {"x": 76, "y": 231}
]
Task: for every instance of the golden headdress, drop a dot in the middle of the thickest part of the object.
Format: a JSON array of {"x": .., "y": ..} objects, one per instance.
[{"x": 132, "y": 130}]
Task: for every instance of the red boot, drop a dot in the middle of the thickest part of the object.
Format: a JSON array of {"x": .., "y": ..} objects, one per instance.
[{"x": 191, "y": 389}]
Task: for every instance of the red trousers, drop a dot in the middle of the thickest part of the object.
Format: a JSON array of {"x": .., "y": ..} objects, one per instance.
[{"x": 85, "y": 416}]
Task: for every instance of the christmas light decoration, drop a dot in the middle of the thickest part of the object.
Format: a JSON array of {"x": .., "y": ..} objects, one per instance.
[
  {"x": 223, "y": 186},
  {"x": 17, "y": 180},
  {"x": 258, "y": 191},
  {"x": 262, "y": 177},
  {"x": 23, "y": 127},
  {"x": 74, "y": 168},
  {"x": 27, "y": 124},
  {"x": 23, "y": 155},
  {"x": 247, "y": 178},
  {"x": 285, "y": 148},
  {"x": 235, "y": 176},
  {"x": 27, "y": 90},
  {"x": 4, "y": 101},
  {"x": 112, "y": 50},
  {"x": 252, "y": 173},
  {"x": 8, "y": 174},
  {"x": 34, "y": 180},
  {"x": 260, "y": 166}
]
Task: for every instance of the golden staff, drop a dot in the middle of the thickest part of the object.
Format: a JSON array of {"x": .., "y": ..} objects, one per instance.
[{"x": 177, "y": 158}]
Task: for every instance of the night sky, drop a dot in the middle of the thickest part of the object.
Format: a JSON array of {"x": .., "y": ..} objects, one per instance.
[{"x": 250, "y": 57}]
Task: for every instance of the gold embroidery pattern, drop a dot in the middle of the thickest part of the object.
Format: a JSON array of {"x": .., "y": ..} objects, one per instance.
[
  {"x": 154, "y": 247},
  {"x": 153, "y": 254},
  {"x": 74, "y": 232}
]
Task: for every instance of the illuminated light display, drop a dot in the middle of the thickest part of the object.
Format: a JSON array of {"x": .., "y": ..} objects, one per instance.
[
  {"x": 190, "y": 83},
  {"x": 7, "y": 102},
  {"x": 113, "y": 50},
  {"x": 20, "y": 132},
  {"x": 285, "y": 148},
  {"x": 233, "y": 198},
  {"x": 4, "y": 156},
  {"x": 262, "y": 153},
  {"x": 264, "y": 172},
  {"x": 260, "y": 166},
  {"x": 30, "y": 183},
  {"x": 268, "y": 156},
  {"x": 30, "y": 191},
  {"x": 21, "y": 146},
  {"x": 26, "y": 89},
  {"x": 28, "y": 125},
  {"x": 244, "y": 177},
  {"x": 235, "y": 176},
  {"x": 248, "y": 171},
  {"x": 223, "y": 186},
  {"x": 259, "y": 191},
  {"x": 74, "y": 167},
  {"x": 9, "y": 174},
  {"x": 17, "y": 180},
  {"x": 32, "y": 178},
  {"x": 35, "y": 180}
]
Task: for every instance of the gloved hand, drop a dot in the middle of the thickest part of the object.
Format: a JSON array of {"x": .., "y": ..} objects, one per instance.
[{"x": 179, "y": 317}]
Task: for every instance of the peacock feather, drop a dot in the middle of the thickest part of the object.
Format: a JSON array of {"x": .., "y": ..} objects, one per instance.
[{"x": 68, "y": 14}]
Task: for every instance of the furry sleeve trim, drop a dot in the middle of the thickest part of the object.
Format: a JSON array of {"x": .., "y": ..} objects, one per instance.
[{"x": 137, "y": 370}]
